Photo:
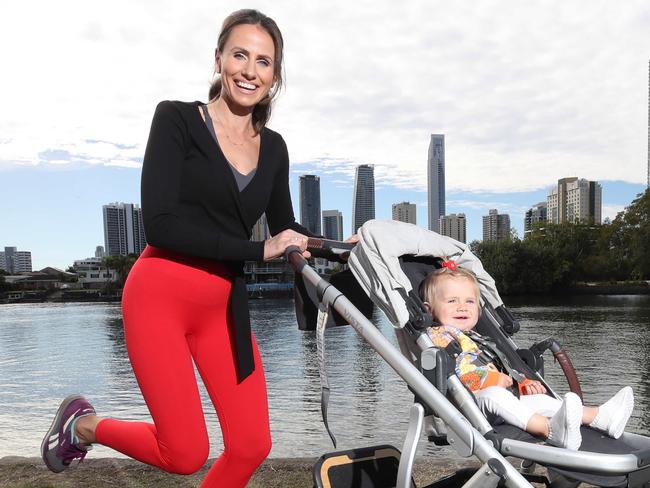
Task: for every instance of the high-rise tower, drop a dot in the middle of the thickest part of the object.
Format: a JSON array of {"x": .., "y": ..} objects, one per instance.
[
  {"x": 333, "y": 225},
  {"x": 363, "y": 200},
  {"x": 405, "y": 212},
  {"x": 496, "y": 226},
  {"x": 535, "y": 216},
  {"x": 123, "y": 229},
  {"x": 14, "y": 261},
  {"x": 454, "y": 226},
  {"x": 436, "y": 180},
  {"x": 648, "y": 182},
  {"x": 310, "y": 202},
  {"x": 574, "y": 200}
]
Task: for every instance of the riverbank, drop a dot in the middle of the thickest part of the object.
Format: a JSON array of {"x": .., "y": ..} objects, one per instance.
[
  {"x": 21, "y": 472},
  {"x": 96, "y": 296},
  {"x": 618, "y": 288}
]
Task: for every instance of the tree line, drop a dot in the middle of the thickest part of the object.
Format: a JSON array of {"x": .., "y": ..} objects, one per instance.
[{"x": 555, "y": 256}]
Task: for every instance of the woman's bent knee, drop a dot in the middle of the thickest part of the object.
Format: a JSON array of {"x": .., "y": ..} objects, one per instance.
[
  {"x": 186, "y": 462},
  {"x": 251, "y": 453}
]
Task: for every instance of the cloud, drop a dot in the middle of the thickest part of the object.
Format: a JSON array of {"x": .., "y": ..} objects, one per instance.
[
  {"x": 610, "y": 211},
  {"x": 124, "y": 163},
  {"x": 525, "y": 93},
  {"x": 91, "y": 152},
  {"x": 502, "y": 207},
  {"x": 117, "y": 145}
]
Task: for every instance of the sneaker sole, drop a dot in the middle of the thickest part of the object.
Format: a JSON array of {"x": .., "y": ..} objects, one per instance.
[
  {"x": 574, "y": 421},
  {"x": 628, "y": 405},
  {"x": 54, "y": 429}
]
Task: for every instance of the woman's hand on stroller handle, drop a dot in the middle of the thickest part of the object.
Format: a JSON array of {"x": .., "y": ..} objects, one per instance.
[{"x": 278, "y": 244}]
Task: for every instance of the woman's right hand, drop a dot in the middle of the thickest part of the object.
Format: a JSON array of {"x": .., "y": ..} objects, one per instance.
[{"x": 276, "y": 245}]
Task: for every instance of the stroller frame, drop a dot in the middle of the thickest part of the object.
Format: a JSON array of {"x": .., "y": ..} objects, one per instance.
[{"x": 469, "y": 433}]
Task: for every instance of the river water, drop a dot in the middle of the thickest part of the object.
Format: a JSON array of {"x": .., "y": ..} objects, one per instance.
[{"x": 48, "y": 351}]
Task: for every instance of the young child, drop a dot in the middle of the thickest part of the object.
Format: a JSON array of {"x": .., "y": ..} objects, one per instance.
[{"x": 452, "y": 296}]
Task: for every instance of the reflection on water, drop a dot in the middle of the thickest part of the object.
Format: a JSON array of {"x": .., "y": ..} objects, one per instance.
[{"x": 48, "y": 351}]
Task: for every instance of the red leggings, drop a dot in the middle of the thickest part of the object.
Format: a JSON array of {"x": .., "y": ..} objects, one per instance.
[{"x": 175, "y": 309}]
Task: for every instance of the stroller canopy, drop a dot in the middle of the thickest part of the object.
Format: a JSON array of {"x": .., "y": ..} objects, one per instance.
[{"x": 375, "y": 263}]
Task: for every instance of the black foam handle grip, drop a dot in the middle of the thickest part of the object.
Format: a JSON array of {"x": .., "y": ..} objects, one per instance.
[{"x": 329, "y": 249}]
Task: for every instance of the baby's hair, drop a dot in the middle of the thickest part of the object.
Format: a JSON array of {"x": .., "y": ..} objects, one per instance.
[{"x": 429, "y": 284}]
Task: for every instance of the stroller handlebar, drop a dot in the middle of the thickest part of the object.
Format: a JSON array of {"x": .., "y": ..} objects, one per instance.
[{"x": 329, "y": 249}]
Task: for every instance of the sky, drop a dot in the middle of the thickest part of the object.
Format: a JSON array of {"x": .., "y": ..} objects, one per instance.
[{"x": 524, "y": 92}]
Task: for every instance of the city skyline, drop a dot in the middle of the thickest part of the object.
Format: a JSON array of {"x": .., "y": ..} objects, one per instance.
[
  {"x": 531, "y": 112},
  {"x": 474, "y": 212}
]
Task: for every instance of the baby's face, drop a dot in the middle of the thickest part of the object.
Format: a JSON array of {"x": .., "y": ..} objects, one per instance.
[{"x": 456, "y": 303}]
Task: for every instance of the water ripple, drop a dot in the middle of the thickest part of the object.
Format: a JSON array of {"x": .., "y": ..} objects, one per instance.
[{"x": 48, "y": 351}]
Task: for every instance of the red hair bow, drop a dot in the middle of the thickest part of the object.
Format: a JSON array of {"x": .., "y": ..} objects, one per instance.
[{"x": 450, "y": 265}]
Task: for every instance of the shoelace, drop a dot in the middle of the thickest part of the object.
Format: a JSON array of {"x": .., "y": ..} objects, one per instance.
[{"x": 71, "y": 452}]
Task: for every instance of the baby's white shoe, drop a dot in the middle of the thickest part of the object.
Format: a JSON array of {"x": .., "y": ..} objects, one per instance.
[
  {"x": 564, "y": 426},
  {"x": 613, "y": 415}
]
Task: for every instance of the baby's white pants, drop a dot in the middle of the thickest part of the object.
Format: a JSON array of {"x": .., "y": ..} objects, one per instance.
[{"x": 498, "y": 401}]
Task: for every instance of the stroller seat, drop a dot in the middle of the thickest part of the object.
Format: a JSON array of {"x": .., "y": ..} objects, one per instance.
[{"x": 632, "y": 453}]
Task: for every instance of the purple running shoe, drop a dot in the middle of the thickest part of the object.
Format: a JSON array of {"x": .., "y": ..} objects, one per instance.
[{"x": 60, "y": 446}]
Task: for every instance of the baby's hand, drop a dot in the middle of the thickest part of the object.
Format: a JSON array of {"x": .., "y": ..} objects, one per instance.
[
  {"x": 531, "y": 387},
  {"x": 504, "y": 381}
]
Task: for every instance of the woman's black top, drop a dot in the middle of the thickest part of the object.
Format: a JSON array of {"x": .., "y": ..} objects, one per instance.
[{"x": 191, "y": 203}]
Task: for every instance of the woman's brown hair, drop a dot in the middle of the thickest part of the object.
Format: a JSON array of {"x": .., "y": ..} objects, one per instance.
[{"x": 262, "y": 111}]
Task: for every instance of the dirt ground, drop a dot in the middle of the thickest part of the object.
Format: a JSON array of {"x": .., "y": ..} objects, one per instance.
[{"x": 20, "y": 472}]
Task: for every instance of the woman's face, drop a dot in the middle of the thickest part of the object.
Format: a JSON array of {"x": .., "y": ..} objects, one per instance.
[{"x": 246, "y": 65}]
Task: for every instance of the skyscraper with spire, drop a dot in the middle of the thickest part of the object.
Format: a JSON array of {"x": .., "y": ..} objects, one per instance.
[
  {"x": 436, "y": 180},
  {"x": 648, "y": 181}
]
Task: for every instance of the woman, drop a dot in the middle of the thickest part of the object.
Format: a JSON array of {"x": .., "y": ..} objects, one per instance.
[{"x": 209, "y": 173}]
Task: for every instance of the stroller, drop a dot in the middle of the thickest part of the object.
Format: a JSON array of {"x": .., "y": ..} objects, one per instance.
[{"x": 389, "y": 263}]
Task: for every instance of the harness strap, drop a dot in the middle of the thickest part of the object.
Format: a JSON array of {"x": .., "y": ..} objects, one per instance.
[
  {"x": 517, "y": 377},
  {"x": 321, "y": 321}
]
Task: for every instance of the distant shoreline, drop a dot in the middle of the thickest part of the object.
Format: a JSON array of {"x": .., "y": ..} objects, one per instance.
[
  {"x": 118, "y": 298},
  {"x": 623, "y": 288},
  {"x": 620, "y": 288}
]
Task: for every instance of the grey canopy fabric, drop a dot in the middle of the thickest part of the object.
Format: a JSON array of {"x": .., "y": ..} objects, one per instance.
[{"x": 375, "y": 263}]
